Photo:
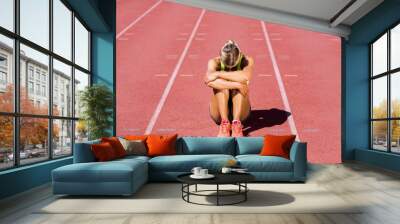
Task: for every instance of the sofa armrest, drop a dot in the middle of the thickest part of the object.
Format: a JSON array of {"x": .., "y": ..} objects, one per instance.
[
  {"x": 83, "y": 152},
  {"x": 298, "y": 155}
]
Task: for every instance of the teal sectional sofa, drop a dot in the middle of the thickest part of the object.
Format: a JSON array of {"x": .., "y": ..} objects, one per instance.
[{"x": 125, "y": 176}]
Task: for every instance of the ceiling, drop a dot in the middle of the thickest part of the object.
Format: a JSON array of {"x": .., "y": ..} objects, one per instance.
[{"x": 327, "y": 16}]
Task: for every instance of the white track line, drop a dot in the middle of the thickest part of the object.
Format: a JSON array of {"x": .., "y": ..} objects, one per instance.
[
  {"x": 161, "y": 75},
  {"x": 171, "y": 81},
  {"x": 264, "y": 75},
  {"x": 138, "y": 19},
  {"x": 278, "y": 76}
]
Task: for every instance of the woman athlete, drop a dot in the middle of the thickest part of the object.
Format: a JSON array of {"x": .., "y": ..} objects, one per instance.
[{"x": 229, "y": 75}]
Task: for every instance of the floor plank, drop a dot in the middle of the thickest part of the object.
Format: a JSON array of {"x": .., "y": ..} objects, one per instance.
[{"x": 377, "y": 190}]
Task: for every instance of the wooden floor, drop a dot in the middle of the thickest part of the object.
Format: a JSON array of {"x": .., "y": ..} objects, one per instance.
[{"x": 377, "y": 188}]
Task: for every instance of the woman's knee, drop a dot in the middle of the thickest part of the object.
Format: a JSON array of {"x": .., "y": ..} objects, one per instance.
[{"x": 224, "y": 92}]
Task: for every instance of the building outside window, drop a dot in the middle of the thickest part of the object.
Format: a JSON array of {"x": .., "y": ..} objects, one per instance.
[
  {"x": 56, "y": 129},
  {"x": 30, "y": 87},
  {"x": 385, "y": 91},
  {"x": 43, "y": 90},
  {"x": 3, "y": 72},
  {"x": 30, "y": 72}
]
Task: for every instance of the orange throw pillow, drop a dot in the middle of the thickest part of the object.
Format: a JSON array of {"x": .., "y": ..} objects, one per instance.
[
  {"x": 103, "y": 152},
  {"x": 277, "y": 145},
  {"x": 160, "y": 145},
  {"x": 116, "y": 145}
]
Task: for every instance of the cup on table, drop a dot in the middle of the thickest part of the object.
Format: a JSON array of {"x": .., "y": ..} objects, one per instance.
[
  {"x": 203, "y": 172},
  {"x": 196, "y": 171},
  {"x": 226, "y": 170}
]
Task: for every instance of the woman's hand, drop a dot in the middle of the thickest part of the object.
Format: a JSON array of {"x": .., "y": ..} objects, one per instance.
[{"x": 210, "y": 77}]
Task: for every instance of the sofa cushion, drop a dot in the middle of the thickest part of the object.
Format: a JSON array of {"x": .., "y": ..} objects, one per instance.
[
  {"x": 257, "y": 163},
  {"x": 206, "y": 145},
  {"x": 112, "y": 171},
  {"x": 249, "y": 145},
  {"x": 185, "y": 163}
]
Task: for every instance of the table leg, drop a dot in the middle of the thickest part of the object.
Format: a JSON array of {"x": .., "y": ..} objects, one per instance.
[
  {"x": 188, "y": 190},
  {"x": 245, "y": 193},
  {"x": 196, "y": 187},
  {"x": 217, "y": 194}
]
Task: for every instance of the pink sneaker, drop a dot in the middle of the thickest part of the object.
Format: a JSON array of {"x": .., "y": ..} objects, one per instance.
[
  {"x": 224, "y": 129},
  {"x": 237, "y": 128}
]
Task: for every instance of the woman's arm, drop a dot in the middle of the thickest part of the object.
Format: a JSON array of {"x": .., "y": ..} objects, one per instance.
[
  {"x": 224, "y": 84},
  {"x": 211, "y": 73},
  {"x": 221, "y": 84},
  {"x": 242, "y": 76}
]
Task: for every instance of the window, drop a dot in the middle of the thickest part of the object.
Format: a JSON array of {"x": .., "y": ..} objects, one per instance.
[
  {"x": 44, "y": 91},
  {"x": 81, "y": 81},
  {"x": 6, "y": 73},
  {"x": 81, "y": 45},
  {"x": 62, "y": 137},
  {"x": 3, "y": 78},
  {"x": 47, "y": 75},
  {"x": 7, "y": 14},
  {"x": 35, "y": 21},
  {"x": 62, "y": 29},
  {"x": 30, "y": 72},
  {"x": 62, "y": 74},
  {"x": 30, "y": 87},
  {"x": 6, "y": 142},
  {"x": 3, "y": 61},
  {"x": 385, "y": 92},
  {"x": 37, "y": 74},
  {"x": 37, "y": 89}
]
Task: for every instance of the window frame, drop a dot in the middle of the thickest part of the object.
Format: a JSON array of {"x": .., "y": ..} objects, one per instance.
[
  {"x": 16, "y": 114},
  {"x": 388, "y": 74}
]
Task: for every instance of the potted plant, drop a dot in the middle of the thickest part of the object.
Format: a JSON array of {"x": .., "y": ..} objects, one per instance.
[{"x": 96, "y": 102}]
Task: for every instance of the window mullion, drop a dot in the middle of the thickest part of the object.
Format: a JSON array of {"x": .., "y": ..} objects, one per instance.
[
  {"x": 50, "y": 81},
  {"x": 73, "y": 82},
  {"x": 389, "y": 101},
  {"x": 16, "y": 85}
]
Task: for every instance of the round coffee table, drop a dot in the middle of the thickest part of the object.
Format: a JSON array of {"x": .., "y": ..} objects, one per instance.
[{"x": 238, "y": 179}]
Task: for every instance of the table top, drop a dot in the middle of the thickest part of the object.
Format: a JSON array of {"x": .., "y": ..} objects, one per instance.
[{"x": 220, "y": 178}]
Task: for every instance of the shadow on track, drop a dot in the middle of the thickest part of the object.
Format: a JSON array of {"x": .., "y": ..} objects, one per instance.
[{"x": 264, "y": 118}]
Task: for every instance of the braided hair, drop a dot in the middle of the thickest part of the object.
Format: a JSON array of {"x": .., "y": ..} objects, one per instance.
[{"x": 230, "y": 54}]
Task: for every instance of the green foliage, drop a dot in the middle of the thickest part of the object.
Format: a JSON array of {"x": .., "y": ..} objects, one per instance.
[{"x": 97, "y": 103}]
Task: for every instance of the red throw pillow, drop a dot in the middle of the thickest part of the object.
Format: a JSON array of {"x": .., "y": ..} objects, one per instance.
[
  {"x": 159, "y": 145},
  {"x": 136, "y": 137},
  {"x": 277, "y": 145},
  {"x": 103, "y": 152},
  {"x": 116, "y": 145}
]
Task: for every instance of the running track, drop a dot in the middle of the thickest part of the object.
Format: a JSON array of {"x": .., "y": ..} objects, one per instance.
[{"x": 162, "y": 54}]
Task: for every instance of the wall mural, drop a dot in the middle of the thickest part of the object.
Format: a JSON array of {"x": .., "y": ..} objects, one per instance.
[{"x": 196, "y": 72}]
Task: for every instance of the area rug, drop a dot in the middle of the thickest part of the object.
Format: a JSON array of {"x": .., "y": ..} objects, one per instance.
[{"x": 166, "y": 198}]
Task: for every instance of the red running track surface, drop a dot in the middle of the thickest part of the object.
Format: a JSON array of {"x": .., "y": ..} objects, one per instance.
[{"x": 165, "y": 48}]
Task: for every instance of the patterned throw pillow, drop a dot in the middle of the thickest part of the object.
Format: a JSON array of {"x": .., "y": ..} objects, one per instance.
[{"x": 134, "y": 147}]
